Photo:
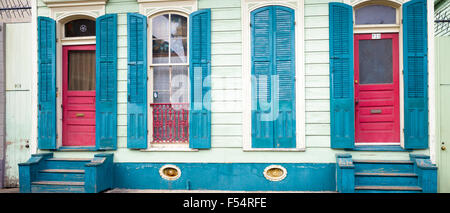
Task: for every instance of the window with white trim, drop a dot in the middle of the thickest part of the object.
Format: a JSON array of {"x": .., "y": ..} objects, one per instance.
[{"x": 170, "y": 78}]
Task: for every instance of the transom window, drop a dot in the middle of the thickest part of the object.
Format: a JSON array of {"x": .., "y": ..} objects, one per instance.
[
  {"x": 79, "y": 28},
  {"x": 169, "y": 62},
  {"x": 169, "y": 34},
  {"x": 375, "y": 14}
]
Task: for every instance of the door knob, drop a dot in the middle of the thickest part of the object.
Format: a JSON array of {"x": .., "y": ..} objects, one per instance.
[{"x": 443, "y": 148}]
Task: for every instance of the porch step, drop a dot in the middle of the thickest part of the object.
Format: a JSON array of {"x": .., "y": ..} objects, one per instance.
[
  {"x": 61, "y": 175},
  {"x": 69, "y": 159},
  {"x": 388, "y": 189},
  {"x": 382, "y": 176},
  {"x": 386, "y": 179},
  {"x": 63, "y": 171},
  {"x": 57, "y": 186},
  {"x": 45, "y": 173},
  {"x": 383, "y": 161},
  {"x": 61, "y": 183},
  {"x": 383, "y": 166},
  {"x": 67, "y": 163}
]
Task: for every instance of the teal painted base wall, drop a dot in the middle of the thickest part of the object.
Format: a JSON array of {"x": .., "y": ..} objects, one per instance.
[{"x": 227, "y": 176}]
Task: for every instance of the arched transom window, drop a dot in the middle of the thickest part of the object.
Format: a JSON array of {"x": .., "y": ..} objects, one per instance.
[{"x": 375, "y": 14}]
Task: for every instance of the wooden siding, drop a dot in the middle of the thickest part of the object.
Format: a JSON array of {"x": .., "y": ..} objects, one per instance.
[
  {"x": 317, "y": 74},
  {"x": 18, "y": 99},
  {"x": 226, "y": 66}
]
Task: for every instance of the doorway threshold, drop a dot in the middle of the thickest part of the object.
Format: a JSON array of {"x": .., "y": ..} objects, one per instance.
[
  {"x": 380, "y": 148},
  {"x": 76, "y": 148}
]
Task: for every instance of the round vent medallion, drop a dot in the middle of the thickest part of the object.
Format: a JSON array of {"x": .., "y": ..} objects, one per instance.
[
  {"x": 170, "y": 172},
  {"x": 83, "y": 28},
  {"x": 275, "y": 173}
]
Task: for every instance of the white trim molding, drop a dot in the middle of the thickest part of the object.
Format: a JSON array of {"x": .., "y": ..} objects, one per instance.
[
  {"x": 247, "y": 6},
  {"x": 72, "y": 3},
  {"x": 34, "y": 81},
  {"x": 152, "y": 7},
  {"x": 432, "y": 116}
]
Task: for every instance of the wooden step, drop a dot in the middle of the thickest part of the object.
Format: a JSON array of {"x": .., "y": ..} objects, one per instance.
[
  {"x": 63, "y": 171},
  {"x": 60, "y": 183},
  {"x": 69, "y": 159},
  {"x": 386, "y": 174},
  {"x": 389, "y": 188},
  {"x": 384, "y": 161}
]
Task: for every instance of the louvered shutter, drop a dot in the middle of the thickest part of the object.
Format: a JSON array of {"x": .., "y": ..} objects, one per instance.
[
  {"x": 342, "y": 108},
  {"x": 46, "y": 83},
  {"x": 137, "y": 81},
  {"x": 415, "y": 74},
  {"x": 200, "y": 79},
  {"x": 284, "y": 68},
  {"x": 273, "y": 71},
  {"x": 106, "y": 82},
  {"x": 262, "y": 63}
]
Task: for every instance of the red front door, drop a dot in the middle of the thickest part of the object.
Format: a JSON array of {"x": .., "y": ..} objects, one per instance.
[
  {"x": 78, "y": 95},
  {"x": 377, "y": 113}
]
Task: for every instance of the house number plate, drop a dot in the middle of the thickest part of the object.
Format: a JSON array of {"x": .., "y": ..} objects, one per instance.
[{"x": 376, "y": 36}]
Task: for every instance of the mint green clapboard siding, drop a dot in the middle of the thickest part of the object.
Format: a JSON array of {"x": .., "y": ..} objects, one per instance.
[
  {"x": 226, "y": 61},
  {"x": 317, "y": 104},
  {"x": 226, "y": 105}
]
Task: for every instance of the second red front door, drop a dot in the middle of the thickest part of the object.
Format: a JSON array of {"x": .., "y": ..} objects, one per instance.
[{"x": 377, "y": 112}]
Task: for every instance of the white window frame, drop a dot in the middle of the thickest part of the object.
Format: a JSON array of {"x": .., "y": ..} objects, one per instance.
[
  {"x": 298, "y": 6},
  {"x": 151, "y": 9}
]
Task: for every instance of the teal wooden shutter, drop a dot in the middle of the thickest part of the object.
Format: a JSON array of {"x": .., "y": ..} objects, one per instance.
[
  {"x": 284, "y": 69},
  {"x": 342, "y": 106},
  {"x": 273, "y": 71},
  {"x": 200, "y": 79},
  {"x": 46, "y": 83},
  {"x": 137, "y": 81},
  {"x": 262, "y": 63},
  {"x": 415, "y": 74},
  {"x": 106, "y": 82}
]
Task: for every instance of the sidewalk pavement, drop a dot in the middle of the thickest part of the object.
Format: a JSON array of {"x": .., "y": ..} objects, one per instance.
[{"x": 9, "y": 190}]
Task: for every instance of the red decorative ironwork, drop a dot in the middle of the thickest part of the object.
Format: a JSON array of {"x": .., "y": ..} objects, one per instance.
[{"x": 170, "y": 122}]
